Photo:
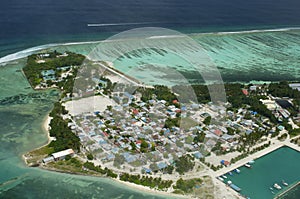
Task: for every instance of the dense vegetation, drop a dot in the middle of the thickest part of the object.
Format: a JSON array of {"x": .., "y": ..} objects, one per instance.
[
  {"x": 33, "y": 69},
  {"x": 187, "y": 185},
  {"x": 283, "y": 89},
  {"x": 184, "y": 164},
  {"x": 161, "y": 93},
  {"x": 172, "y": 122},
  {"x": 65, "y": 138},
  {"x": 98, "y": 169},
  {"x": 186, "y": 93}
]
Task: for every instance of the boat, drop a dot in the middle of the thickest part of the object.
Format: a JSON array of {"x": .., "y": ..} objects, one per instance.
[
  {"x": 272, "y": 192},
  {"x": 248, "y": 165},
  {"x": 220, "y": 178},
  {"x": 271, "y": 188},
  {"x": 236, "y": 188},
  {"x": 229, "y": 182},
  {"x": 230, "y": 173},
  {"x": 277, "y": 186},
  {"x": 251, "y": 162},
  {"x": 284, "y": 183},
  {"x": 237, "y": 170},
  {"x": 224, "y": 176}
]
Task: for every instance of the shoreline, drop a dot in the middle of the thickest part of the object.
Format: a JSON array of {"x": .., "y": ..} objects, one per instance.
[
  {"x": 45, "y": 127},
  {"x": 133, "y": 186}
]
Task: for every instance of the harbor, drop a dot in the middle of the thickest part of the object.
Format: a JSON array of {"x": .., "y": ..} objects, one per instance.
[
  {"x": 249, "y": 178},
  {"x": 286, "y": 192}
]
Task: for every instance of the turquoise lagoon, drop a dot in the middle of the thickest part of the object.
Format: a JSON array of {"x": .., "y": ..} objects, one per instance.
[
  {"x": 281, "y": 164},
  {"x": 240, "y": 57}
]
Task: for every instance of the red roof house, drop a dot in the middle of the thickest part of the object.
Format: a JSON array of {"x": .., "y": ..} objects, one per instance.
[
  {"x": 218, "y": 132},
  {"x": 245, "y": 91}
]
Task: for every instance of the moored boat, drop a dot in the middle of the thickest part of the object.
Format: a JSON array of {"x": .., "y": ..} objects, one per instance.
[
  {"x": 220, "y": 178},
  {"x": 284, "y": 183},
  {"x": 236, "y": 188},
  {"x": 277, "y": 186},
  {"x": 248, "y": 165},
  {"x": 251, "y": 162},
  {"x": 237, "y": 170}
]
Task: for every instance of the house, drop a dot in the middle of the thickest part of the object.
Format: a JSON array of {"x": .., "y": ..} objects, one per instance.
[
  {"x": 148, "y": 171},
  {"x": 161, "y": 165},
  {"x": 62, "y": 154},
  {"x": 48, "y": 159},
  {"x": 198, "y": 155},
  {"x": 295, "y": 86},
  {"x": 135, "y": 111},
  {"x": 225, "y": 163},
  {"x": 252, "y": 88},
  {"x": 48, "y": 74},
  {"x": 128, "y": 95},
  {"x": 218, "y": 132},
  {"x": 227, "y": 137},
  {"x": 245, "y": 91},
  {"x": 175, "y": 101}
]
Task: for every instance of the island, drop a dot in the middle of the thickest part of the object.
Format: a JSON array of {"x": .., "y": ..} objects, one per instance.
[{"x": 108, "y": 124}]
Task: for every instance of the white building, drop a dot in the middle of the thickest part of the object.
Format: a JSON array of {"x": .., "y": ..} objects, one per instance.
[{"x": 62, "y": 154}]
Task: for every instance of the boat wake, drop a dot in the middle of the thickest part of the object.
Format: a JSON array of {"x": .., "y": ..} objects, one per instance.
[{"x": 121, "y": 24}]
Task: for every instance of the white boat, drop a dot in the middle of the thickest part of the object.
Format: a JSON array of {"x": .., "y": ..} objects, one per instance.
[
  {"x": 284, "y": 183},
  {"x": 271, "y": 188},
  {"x": 237, "y": 171},
  {"x": 224, "y": 176},
  {"x": 277, "y": 186},
  {"x": 229, "y": 182},
  {"x": 251, "y": 162},
  {"x": 220, "y": 178},
  {"x": 248, "y": 165}
]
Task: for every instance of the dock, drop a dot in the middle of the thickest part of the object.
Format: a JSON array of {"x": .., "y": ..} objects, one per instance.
[{"x": 290, "y": 188}]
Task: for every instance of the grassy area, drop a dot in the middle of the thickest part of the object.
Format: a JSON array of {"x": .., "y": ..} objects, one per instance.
[
  {"x": 72, "y": 165},
  {"x": 199, "y": 187},
  {"x": 33, "y": 157},
  {"x": 187, "y": 186}
]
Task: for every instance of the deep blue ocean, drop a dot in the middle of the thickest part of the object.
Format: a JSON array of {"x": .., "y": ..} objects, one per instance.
[{"x": 27, "y": 23}]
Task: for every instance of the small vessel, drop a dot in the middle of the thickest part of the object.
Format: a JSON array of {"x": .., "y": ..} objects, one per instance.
[
  {"x": 284, "y": 183},
  {"x": 272, "y": 192},
  {"x": 271, "y": 188},
  {"x": 229, "y": 182},
  {"x": 230, "y": 173},
  {"x": 237, "y": 170},
  {"x": 220, "y": 178},
  {"x": 251, "y": 162},
  {"x": 236, "y": 188},
  {"x": 248, "y": 165},
  {"x": 224, "y": 176},
  {"x": 277, "y": 186}
]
